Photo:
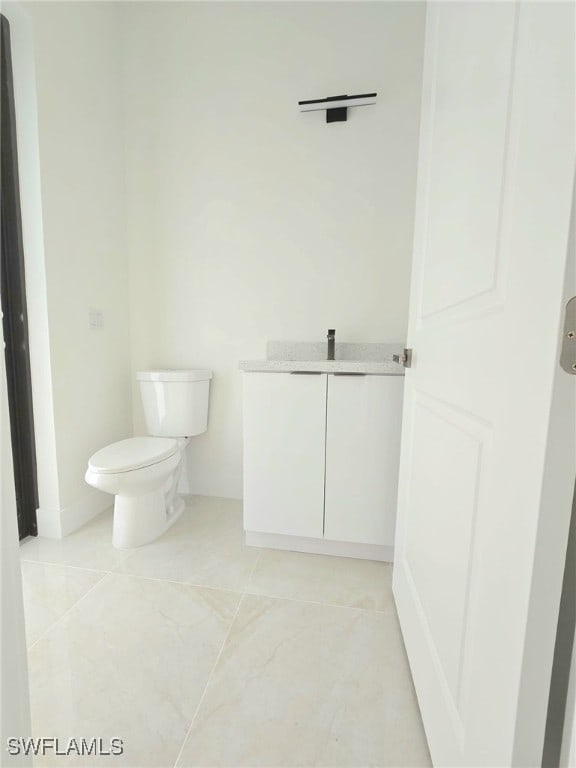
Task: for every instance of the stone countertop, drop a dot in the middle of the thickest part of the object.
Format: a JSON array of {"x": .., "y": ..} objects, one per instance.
[
  {"x": 383, "y": 368},
  {"x": 290, "y": 356}
]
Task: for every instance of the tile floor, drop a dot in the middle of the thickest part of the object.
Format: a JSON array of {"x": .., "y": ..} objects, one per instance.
[{"x": 199, "y": 651}]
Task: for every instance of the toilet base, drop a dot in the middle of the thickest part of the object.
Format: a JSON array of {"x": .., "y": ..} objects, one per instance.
[{"x": 138, "y": 520}]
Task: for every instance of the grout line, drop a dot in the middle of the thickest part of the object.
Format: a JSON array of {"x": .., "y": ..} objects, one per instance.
[
  {"x": 175, "y": 581},
  {"x": 131, "y": 552},
  {"x": 134, "y": 576},
  {"x": 301, "y": 600},
  {"x": 254, "y": 594},
  {"x": 249, "y": 579},
  {"x": 385, "y": 611},
  {"x": 245, "y": 591},
  {"x": 242, "y": 593},
  {"x": 179, "y": 755},
  {"x": 65, "y": 565},
  {"x": 197, "y": 710},
  {"x": 65, "y": 614}
]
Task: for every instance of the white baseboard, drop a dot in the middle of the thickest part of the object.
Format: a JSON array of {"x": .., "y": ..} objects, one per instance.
[
  {"x": 381, "y": 552},
  {"x": 49, "y": 523},
  {"x": 57, "y": 523}
]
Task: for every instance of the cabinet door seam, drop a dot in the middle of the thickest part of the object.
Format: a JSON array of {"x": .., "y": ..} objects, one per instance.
[{"x": 325, "y": 452}]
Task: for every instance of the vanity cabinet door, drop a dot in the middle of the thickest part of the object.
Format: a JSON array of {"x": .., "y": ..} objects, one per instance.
[
  {"x": 284, "y": 442},
  {"x": 362, "y": 458}
]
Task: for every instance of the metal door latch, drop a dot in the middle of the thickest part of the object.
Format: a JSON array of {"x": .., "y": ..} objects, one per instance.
[
  {"x": 404, "y": 359},
  {"x": 568, "y": 352}
]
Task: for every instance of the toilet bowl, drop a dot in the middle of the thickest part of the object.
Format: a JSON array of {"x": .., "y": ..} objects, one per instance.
[{"x": 143, "y": 472}]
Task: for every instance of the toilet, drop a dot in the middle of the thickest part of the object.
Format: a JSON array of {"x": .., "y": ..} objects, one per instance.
[{"x": 143, "y": 472}]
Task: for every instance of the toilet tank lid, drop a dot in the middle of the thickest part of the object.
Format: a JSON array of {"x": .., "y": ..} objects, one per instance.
[{"x": 170, "y": 374}]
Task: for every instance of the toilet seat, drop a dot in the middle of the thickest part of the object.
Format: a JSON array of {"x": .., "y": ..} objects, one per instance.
[{"x": 133, "y": 453}]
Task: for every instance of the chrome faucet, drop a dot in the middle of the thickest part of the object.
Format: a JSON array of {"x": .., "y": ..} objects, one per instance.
[{"x": 331, "y": 344}]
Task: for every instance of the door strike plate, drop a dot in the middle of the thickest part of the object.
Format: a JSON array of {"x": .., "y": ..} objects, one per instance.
[
  {"x": 404, "y": 359},
  {"x": 568, "y": 352}
]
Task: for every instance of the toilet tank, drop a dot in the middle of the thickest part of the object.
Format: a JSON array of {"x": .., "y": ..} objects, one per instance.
[{"x": 175, "y": 402}]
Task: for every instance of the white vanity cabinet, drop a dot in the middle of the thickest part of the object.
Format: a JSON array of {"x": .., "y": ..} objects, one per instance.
[
  {"x": 364, "y": 421},
  {"x": 321, "y": 456},
  {"x": 284, "y": 444}
]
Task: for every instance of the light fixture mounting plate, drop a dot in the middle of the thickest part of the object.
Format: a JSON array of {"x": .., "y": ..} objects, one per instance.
[{"x": 337, "y": 106}]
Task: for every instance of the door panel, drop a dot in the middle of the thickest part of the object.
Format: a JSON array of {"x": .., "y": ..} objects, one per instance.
[
  {"x": 464, "y": 180},
  {"x": 447, "y": 482},
  {"x": 496, "y": 171},
  {"x": 284, "y": 428}
]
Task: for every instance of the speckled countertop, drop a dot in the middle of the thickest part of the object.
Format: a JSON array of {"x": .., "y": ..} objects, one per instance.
[{"x": 286, "y": 357}]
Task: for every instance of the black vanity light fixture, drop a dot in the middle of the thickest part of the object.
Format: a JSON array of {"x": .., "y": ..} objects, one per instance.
[{"x": 337, "y": 106}]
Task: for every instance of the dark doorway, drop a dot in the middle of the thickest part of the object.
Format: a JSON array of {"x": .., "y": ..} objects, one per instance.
[
  {"x": 13, "y": 295},
  {"x": 565, "y": 638}
]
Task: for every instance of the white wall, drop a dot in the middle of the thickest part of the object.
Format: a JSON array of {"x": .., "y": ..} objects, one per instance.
[
  {"x": 77, "y": 50},
  {"x": 248, "y": 220}
]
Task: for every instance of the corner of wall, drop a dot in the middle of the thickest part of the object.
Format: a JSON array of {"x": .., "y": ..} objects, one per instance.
[{"x": 57, "y": 523}]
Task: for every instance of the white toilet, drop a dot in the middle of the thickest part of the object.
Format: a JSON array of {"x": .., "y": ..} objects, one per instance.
[{"x": 143, "y": 472}]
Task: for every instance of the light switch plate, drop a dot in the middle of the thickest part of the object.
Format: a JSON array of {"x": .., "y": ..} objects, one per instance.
[{"x": 95, "y": 318}]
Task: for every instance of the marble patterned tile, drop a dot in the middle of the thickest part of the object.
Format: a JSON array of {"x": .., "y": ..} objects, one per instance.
[
  {"x": 51, "y": 590},
  {"x": 214, "y": 508},
  {"x": 204, "y": 547},
  {"x": 300, "y": 684},
  {"x": 128, "y": 654},
  {"x": 88, "y": 547},
  {"x": 323, "y": 579},
  {"x": 130, "y": 661}
]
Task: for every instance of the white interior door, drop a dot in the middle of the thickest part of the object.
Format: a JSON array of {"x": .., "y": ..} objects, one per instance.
[{"x": 479, "y": 555}]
